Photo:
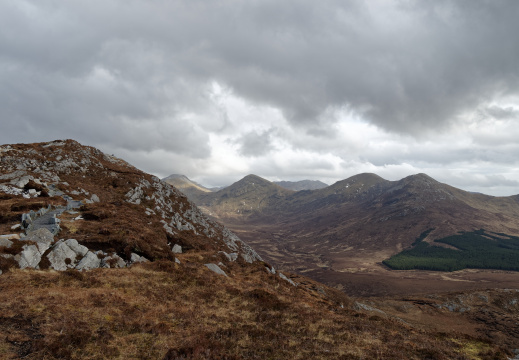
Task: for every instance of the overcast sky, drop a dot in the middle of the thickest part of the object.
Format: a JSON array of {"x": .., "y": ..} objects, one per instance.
[{"x": 287, "y": 90}]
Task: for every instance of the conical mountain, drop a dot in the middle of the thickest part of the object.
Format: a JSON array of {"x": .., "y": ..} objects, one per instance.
[{"x": 250, "y": 195}]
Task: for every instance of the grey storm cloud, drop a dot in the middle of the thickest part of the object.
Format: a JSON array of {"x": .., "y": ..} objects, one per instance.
[
  {"x": 254, "y": 143},
  {"x": 407, "y": 66},
  {"x": 139, "y": 75}
]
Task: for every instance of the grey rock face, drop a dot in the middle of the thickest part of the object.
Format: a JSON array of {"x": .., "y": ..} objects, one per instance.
[
  {"x": 95, "y": 198},
  {"x": 177, "y": 249},
  {"x": 74, "y": 246},
  {"x": 215, "y": 268},
  {"x": 115, "y": 260},
  {"x": 30, "y": 256},
  {"x": 230, "y": 257}
]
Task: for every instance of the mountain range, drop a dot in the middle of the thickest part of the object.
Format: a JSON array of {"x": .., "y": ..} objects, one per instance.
[
  {"x": 192, "y": 189},
  {"x": 354, "y": 224}
]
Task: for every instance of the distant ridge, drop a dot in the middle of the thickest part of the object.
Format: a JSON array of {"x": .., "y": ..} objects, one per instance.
[
  {"x": 301, "y": 185},
  {"x": 189, "y": 187}
]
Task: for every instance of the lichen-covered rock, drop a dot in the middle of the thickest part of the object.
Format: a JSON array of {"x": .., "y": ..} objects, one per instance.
[
  {"x": 76, "y": 247},
  {"x": 42, "y": 237}
]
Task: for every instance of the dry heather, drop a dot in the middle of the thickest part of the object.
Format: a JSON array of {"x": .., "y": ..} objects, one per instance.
[{"x": 163, "y": 310}]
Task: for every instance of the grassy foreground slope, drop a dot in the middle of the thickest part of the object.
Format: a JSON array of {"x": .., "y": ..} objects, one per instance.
[{"x": 162, "y": 310}]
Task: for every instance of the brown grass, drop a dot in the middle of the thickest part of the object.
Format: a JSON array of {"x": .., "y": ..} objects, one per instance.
[{"x": 163, "y": 310}]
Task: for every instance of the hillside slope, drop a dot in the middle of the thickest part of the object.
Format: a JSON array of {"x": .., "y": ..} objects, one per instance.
[{"x": 123, "y": 210}]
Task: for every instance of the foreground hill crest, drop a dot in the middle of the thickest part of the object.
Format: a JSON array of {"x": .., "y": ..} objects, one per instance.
[{"x": 103, "y": 204}]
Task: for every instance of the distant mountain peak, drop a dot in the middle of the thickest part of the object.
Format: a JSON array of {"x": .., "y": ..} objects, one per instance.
[{"x": 184, "y": 184}]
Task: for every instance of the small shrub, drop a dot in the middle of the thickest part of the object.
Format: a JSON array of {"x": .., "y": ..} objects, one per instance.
[{"x": 7, "y": 264}]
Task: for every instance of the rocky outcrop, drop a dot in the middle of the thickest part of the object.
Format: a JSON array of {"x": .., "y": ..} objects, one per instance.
[
  {"x": 82, "y": 175},
  {"x": 188, "y": 219},
  {"x": 135, "y": 259}
]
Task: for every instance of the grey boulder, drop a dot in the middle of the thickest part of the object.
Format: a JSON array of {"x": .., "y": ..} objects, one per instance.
[
  {"x": 137, "y": 259},
  {"x": 215, "y": 268}
]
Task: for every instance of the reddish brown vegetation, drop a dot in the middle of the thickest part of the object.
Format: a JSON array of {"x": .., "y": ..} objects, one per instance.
[{"x": 165, "y": 311}]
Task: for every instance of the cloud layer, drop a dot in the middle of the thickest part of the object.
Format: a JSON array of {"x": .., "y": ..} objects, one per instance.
[{"x": 287, "y": 90}]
